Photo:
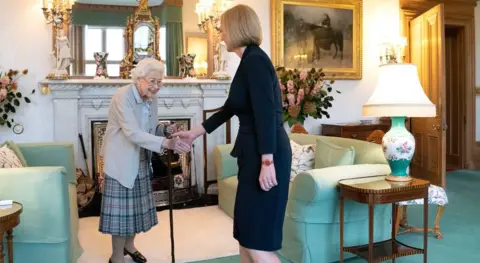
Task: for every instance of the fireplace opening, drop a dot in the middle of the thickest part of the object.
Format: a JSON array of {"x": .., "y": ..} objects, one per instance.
[{"x": 184, "y": 180}]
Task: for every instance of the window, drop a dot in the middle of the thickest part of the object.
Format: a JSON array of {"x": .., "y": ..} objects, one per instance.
[
  {"x": 163, "y": 45},
  {"x": 104, "y": 39}
]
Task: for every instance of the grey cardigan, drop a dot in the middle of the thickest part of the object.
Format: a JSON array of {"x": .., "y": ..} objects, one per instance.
[{"x": 124, "y": 137}]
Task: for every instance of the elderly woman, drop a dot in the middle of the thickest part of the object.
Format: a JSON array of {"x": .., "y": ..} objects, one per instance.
[
  {"x": 262, "y": 148},
  {"x": 130, "y": 138}
]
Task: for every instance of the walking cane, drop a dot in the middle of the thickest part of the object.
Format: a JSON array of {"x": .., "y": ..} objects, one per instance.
[{"x": 170, "y": 202}]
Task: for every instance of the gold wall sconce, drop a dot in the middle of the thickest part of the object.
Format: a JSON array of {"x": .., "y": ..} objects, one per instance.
[{"x": 58, "y": 12}]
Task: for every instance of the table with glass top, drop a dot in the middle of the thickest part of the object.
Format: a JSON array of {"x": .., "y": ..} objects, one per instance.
[
  {"x": 376, "y": 190},
  {"x": 9, "y": 219}
]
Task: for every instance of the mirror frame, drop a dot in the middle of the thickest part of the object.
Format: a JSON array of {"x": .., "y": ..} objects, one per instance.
[{"x": 142, "y": 16}]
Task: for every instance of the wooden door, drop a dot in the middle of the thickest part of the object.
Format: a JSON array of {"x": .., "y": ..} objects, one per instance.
[
  {"x": 455, "y": 97},
  {"x": 427, "y": 51}
]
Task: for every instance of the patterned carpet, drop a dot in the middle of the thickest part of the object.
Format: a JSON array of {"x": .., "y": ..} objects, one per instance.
[{"x": 459, "y": 224}]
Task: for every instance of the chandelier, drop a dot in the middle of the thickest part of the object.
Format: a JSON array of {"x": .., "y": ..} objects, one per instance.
[
  {"x": 392, "y": 50},
  {"x": 58, "y": 12},
  {"x": 209, "y": 12}
]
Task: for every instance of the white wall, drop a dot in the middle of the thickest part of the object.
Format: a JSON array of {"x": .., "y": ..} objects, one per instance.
[{"x": 27, "y": 43}]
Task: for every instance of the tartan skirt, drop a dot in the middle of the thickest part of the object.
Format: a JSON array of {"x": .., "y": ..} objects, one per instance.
[{"x": 124, "y": 211}]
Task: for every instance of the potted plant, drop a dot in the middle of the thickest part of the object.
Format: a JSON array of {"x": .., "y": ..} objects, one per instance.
[{"x": 10, "y": 96}]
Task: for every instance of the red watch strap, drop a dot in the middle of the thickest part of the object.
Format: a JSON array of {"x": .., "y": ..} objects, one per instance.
[{"x": 267, "y": 162}]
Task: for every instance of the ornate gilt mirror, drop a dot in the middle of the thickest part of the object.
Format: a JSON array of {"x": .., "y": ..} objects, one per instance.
[
  {"x": 127, "y": 30},
  {"x": 142, "y": 35}
]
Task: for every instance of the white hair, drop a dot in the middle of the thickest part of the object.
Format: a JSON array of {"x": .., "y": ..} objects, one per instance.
[{"x": 146, "y": 66}]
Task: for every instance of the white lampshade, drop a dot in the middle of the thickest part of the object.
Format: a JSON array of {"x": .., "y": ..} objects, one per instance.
[{"x": 399, "y": 93}]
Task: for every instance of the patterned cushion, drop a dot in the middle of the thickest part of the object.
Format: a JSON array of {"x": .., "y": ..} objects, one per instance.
[
  {"x": 8, "y": 159},
  {"x": 303, "y": 158},
  {"x": 436, "y": 196},
  {"x": 14, "y": 147}
]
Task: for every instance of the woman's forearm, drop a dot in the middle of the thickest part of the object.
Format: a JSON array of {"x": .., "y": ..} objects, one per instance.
[{"x": 199, "y": 130}]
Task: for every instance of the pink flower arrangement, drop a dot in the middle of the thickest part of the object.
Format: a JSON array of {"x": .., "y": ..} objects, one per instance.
[
  {"x": 304, "y": 93},
  {"x": 10, "y": 97}
]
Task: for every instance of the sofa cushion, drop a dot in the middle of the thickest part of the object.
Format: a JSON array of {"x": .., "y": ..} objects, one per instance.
[
  {"x": 329, "y": 154},
  {"x": 8, "y": 158},
  {"x": 303, "y": 158},
  {"x": 14, "y": 147},
  {"x": 365, "y": 152}
]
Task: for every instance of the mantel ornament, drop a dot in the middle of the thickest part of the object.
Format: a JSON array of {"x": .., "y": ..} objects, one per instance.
[
  {"x": 220, "y": 62},
  {"x": 142, "y": 37},
  {"x": 62, "y": 58}
]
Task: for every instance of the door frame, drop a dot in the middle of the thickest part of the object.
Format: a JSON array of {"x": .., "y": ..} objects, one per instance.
[{"x": 458, "y": 13}]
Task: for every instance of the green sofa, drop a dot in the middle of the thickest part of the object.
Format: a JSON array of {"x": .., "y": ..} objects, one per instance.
[
  {"x": 48, "y": 230},
  {"x": 311, "y": 229}
]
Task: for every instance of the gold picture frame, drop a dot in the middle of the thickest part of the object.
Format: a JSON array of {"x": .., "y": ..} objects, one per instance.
[{"x": 311, "y": 34}]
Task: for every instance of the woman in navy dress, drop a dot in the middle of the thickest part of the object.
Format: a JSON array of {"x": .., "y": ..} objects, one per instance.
[{"x": 262, "y": 146}]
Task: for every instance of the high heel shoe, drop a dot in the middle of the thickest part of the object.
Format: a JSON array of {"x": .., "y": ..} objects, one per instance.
[{"x": 136, "y": 256}]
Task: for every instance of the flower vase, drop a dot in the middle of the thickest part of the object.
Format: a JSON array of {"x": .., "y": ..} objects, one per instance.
[
  {"x": 181, "y": 66},
  {"x": 101, "y": 62},
  {"x": 189, "y": 68}
]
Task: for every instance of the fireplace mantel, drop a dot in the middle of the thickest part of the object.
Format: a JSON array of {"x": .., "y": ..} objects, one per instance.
[{"x": 79, "y": 102}]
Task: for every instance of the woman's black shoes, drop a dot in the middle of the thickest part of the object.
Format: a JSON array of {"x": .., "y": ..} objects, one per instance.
[{"x": 136, "y": 256}]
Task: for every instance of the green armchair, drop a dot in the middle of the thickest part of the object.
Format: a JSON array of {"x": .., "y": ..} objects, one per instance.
[
  {"x": 48, "y": 230},
  {"x": 311, "y": 229}
]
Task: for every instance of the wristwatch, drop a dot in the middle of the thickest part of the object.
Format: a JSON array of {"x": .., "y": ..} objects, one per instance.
[{"x": 267, "y": 162}]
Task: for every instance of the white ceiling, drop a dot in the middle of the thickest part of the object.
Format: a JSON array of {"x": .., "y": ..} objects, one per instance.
[{"x": 118, "y": 2}]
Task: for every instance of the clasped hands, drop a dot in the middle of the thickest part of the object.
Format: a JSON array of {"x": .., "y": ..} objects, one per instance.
[
  {"x": 267, "y": 178},
  {"x": 175, "y": 142}
]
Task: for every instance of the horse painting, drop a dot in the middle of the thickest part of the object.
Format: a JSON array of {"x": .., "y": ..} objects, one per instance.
[
  {"x": 317, "y": 37},
  {"x": 323, "y": 39}
]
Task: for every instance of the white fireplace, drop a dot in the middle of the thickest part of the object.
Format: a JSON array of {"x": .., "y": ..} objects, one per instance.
[{"x": 79, "y": 102}]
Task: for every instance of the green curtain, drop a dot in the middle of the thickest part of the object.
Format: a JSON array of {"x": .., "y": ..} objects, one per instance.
[
  {"x": 100, "y": 17},
  {"x": 174, "y": 32}
]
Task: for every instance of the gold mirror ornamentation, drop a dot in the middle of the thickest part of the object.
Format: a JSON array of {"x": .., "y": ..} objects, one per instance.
[{"x": 142, "y": 38}]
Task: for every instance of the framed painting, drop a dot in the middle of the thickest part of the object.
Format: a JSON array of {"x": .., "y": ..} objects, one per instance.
[{"x": 323, "y": 34}]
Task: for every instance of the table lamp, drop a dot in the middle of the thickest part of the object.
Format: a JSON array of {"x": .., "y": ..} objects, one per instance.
[{"x": 398, "y": 95}]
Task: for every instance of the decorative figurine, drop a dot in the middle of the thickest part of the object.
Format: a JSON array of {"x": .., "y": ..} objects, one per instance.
[
  {"x": 220, "y": 62},
  {"x": 63, "y": 58}
]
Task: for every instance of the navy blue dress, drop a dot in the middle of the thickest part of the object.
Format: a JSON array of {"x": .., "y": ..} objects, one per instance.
[{"x": 256, "y": 99}]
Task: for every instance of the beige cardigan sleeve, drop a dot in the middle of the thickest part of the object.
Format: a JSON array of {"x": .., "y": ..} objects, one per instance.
[{"x": 123, "y": 110}]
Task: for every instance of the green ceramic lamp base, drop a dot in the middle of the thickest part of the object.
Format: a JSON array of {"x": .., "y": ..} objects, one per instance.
[{"x": 398, "y": 148}]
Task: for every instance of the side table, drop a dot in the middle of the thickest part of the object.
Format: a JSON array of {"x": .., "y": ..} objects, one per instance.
[
  {"x": 376, "y": 190},
  {"x": 9, "y": 219}
]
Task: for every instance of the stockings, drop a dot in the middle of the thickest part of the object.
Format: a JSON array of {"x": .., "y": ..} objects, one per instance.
[
  {"x": 118, "y": 243},
  {"x": 129, "y": 244}
]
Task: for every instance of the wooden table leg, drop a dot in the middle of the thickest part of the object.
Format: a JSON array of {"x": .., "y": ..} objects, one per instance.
[
  {"x": 394, "y": 228},
  {"x": 425, "y": 226},
  {"x": 370, "y": 228},
  {"x": 10, "y": 245},
  {"x": 341, "y": 228},
  {"x": 2, "y": 256}
]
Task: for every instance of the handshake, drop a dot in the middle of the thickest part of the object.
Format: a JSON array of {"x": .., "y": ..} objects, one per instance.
[{"x": 178, "y": 141}]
